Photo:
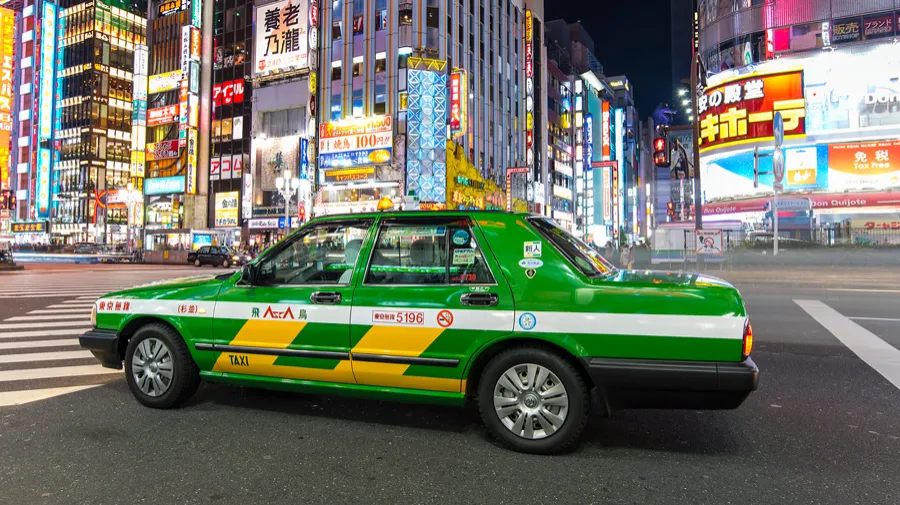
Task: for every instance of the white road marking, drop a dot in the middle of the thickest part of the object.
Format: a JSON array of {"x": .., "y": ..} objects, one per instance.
[
  {"x": 63, "y": 342},
  {"x": 78, "y": 318},
  {"x": 44, "y": 356},
  {"x": 54, "y": 372},
  {"x": 70, "y": 332},
  {"x": 860, "y": 318},
  {"x": 71, "y": 306},
  {"x": 877, "y": 353},
  {"x": 47, "y": 295},
  {"x": 865, "y": 290},
  {"x": 10, "y": 398},
  {"x": 63, "y": 311},
  {"x": 22, "y": 326}
]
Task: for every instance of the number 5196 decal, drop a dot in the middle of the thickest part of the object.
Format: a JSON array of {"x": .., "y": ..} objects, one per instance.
[{"x": 398, "y": 317}]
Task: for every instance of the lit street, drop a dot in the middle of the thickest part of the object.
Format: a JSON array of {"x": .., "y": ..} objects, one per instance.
[{"x": 823, "y": 427}]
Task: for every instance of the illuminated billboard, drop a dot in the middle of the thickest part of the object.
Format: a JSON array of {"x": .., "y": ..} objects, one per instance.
[
  {"x": 426, "y": 156},
  {"x": 281, "y": 43},
  {"x": 741, "y": 110},
  {"x": 48, "y": 39},
  {"x": 7, "y": 68},
  {"x": 356, "y": 142},
  {"x": 458, "y": 100}
]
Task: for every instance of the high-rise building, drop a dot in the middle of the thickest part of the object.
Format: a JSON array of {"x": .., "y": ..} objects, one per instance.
[
  {"x": 177, "y": 123},
  {"x": 74, "y": 109},
  {"x": 560, "y": 144}
]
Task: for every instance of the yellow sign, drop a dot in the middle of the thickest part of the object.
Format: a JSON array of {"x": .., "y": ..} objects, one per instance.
[
  {"x": 466, "y": 188},
  {"x": 164, "y": 82},
  {"x": 227, "y": 209},
  {"x": 312, "y": 82}
]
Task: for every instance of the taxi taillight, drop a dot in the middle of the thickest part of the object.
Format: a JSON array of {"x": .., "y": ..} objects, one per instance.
[{"x": 748, "y": 339}]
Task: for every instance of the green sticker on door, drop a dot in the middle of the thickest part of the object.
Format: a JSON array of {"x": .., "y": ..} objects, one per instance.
[{"x": 464, "y": 257}]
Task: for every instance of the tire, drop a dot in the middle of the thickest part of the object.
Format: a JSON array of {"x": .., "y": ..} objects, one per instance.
[
  {"x": 528, "y": 405},
  {"x": 225, "y": 263},
  {"x": 184, "y": 373},
  {"x": 197, "y": 263}
]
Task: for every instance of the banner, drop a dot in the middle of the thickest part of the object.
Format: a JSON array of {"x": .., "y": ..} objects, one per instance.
[
  {"x": 281, "y": 41},
  {"x": 864, "y": 164},
  {"x": 356, "y": 142},
  {"x": 165, "y": 150},
  {"x": 226, "y": 209}
]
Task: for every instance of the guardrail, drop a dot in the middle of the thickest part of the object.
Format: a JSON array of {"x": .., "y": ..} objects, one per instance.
[{"x": 30, "y": 257}]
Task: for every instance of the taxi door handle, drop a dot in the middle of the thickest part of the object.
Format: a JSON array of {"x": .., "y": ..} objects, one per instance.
[
  {"x": 325, "y": 298},
  {"x": 479, "y": 299}
]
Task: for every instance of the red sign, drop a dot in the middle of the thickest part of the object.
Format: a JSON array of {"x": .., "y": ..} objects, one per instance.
[
  {"x": 444, "y": 318},
  {"x": 237, "y": 165},
  {"x": 742, "y": 110},
  {"x": 214, "y": 169},
  {"x": 455, "y": 99},
  {"x": 605, "y": 132},
  {"x": 162, "y": 115},
  {"x": 819, "y": 201},
  {"x": 228, "y": 93},
  {"x": 195, "y": 43},
  {"x": 165, "y": 150}
]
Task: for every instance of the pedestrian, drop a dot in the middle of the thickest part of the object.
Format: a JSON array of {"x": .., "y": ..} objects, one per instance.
[
  {"x": 623, "y": 257},
  {"x": 631, "y": 252}
]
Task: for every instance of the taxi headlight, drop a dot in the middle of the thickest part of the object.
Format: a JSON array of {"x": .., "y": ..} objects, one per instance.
[
  {"x": 94, "y": 315},
  {"x": 236, "y": 258}
]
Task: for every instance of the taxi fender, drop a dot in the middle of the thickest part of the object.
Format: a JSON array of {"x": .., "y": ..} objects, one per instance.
[
  {"x": 132, "y": 322},
  {"x": 564, "y": 342}
]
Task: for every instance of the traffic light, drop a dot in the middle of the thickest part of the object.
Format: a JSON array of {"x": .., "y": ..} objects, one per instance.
[
  {"x": 670, "y": 209},
  {"x": 301, "y": 213},
  {"x": 4, "y": 199},
  {"x": 12, "y": 202},
  {"x": 661, "y": 152}
]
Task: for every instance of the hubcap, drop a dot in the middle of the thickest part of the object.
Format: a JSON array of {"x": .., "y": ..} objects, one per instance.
[
  {"x": 531, "y": 401},
  {"x": 152, "y": 367}
]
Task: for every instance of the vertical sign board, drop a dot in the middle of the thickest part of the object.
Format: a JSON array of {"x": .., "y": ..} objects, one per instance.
[
  {"x": 138, "y": 123},
  {"x": 588, "y": 141},
  {"x": 191, "y": 186},
  {"x": 458, "y": 100},
  {"x": 45, "y": 109},
  {"x": 247, "y": 196},
  {"x": 509, "y": 174},
  {"x": 606, "y": 131},
  {"x": 529, "y": 89},
  {"x": 7, "y": 68},
  {"x": 312, "y": 128},
  {"x": 283, "y": 40}
]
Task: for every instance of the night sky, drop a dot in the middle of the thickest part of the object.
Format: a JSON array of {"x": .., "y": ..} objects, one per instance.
[{"x": 646, "y": 23}]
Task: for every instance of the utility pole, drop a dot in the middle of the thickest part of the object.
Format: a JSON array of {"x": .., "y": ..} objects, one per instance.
[{"x": 696, "y": 69}]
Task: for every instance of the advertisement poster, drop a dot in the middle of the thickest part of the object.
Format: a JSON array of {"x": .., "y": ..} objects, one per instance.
[
  {"x": 864, "y": 165},
  {"x": 165, "y": 150},
  {"x": 227, "y": 209},
  {"x": 356, "y": 142},
  {"x": 743, "y": 109},
  {"x": 281, "y": 41}
]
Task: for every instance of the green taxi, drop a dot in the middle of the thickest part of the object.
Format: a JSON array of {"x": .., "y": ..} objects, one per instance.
[{"x": 506, "y": 310}]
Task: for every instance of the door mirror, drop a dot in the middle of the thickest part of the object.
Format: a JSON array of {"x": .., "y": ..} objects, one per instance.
[{"x": 248, "y": 274}]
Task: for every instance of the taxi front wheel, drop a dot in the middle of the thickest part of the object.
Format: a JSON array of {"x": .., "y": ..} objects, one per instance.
[
  {"x": 158, "y": 367},
  {"x": 533, "y": 400}
]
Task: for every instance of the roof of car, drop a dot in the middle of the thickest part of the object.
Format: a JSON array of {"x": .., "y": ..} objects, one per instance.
[{"x": 421, "y": 213}]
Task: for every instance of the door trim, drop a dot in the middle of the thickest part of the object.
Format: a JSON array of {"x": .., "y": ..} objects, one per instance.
[
  {"x": 270, "y": 351},
  {"x": 405, "y": 360}
]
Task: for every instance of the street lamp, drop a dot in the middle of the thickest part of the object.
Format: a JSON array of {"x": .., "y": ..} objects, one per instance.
[{"x": 287, "y": 186}]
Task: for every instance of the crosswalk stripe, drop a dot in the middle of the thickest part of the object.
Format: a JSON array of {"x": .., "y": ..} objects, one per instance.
[
  {"x": 76, "y": 302},
  {"x": 63, "y": 342},
  {"x": 68, "y": 310},
  {"x": 79, "y": 317},
  {"x": 78, "y": 305},
  {"x": 22, "y": 326},
  {"x": 43, "y": 356},
  {"x": 54, "y": 372},
  {"x": 9, "y": 398},
  {"x": 46, "y": 295},
  {"x": 71, "y": 332}
]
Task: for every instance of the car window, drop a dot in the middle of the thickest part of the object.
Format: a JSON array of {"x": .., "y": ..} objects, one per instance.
[
  {"x": 322, "y": 254},
  {"x": 204, "y": 250},
  {"x": 583, "y": 256},
  {"x": 427, "y": 253}
]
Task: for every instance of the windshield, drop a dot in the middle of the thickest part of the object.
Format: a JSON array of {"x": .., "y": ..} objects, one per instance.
[{"x": 583, "y": 256}]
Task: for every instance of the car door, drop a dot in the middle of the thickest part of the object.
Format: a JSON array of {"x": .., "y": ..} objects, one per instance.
[
  {"x": 294, "y": 321},
  {"x": 203, "y": 254},
  {"x": 431, "y": 295}
]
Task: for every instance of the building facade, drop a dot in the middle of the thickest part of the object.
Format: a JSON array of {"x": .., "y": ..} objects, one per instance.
[{"x": 830, "y": 68}]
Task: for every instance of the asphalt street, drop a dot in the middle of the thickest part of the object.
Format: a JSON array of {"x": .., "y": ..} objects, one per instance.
[{"x": 824, "y": 426}]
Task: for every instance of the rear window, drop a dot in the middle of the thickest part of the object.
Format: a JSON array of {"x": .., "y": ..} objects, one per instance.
[{"x": 581, "y": 255}]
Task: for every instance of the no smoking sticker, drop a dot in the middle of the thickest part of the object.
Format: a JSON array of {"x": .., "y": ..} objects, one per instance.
[{"x": 444, "y": 318}]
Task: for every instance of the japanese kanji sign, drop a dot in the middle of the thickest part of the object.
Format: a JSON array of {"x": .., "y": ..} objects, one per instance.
[
  {"x": 281, "y": 41},
  {"x": 742, "y": 110},
  {"x": 864, "y": 164}
]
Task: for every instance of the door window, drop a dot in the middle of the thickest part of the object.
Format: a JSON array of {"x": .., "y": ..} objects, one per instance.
[
  {"x": 436, "y": 253},
  {"x": 323, "y": 254}
]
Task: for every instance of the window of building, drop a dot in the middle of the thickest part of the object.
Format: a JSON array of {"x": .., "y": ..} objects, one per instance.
[
  {"x": 336, "y": 30},
  {"x": 381, "y": 18},
  {"x": 432, "y": 15},
  {"x": 357, "y": 66},
  {"x": 406, "y": 15},
  {"x": 336, "y": 68},
  {"x": 380, "y": 62}
]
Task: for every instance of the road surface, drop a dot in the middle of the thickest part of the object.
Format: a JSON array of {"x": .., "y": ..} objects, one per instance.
[{"x": 824, "y": 426}]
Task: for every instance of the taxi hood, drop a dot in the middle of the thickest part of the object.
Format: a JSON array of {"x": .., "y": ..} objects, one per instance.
[
  {"x": 169, "y": 285},
  {"x": 669, "y": 279}
]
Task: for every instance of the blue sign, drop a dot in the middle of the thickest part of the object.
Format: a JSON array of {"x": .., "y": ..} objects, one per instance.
[
  {"x": 304, "y": 158},
  {"x": 349, "y": 159},
  {"x": 164, "y": 185},
  {"x": 588, "y": 141},
  {"x": 778, "y": 128},
  {"x": 527, "y": 321}
]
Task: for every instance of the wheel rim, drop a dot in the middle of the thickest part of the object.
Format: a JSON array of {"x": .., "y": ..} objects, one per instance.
[
  {"x": 531, "y": 401},
  {"x": 152, "y": 367}
]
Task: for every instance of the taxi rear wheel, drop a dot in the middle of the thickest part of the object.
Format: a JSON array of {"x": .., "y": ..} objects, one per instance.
[
  {"x": 158, "y": 367},
  {"x": 197, "y": 263},
  {"x": 225, "y": 264},
  {"x": 533, "y": 400}
]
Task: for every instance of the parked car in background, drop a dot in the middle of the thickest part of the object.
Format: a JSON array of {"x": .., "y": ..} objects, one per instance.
[{"x": 217, "y": 256}]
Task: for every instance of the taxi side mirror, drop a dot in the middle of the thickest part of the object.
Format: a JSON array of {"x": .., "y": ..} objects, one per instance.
[{"x": 249, "y": 274}]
